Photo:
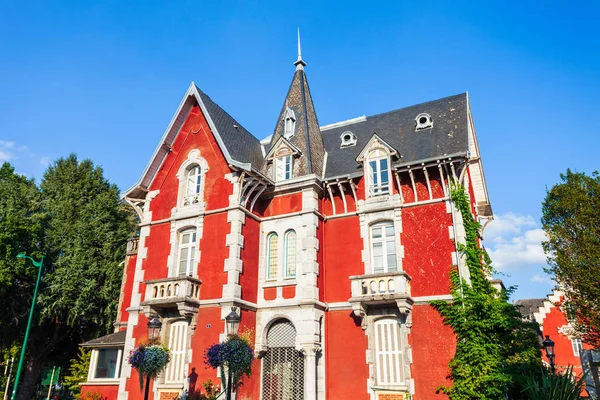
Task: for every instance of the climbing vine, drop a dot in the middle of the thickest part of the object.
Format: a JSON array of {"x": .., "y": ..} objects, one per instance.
[{"x": 495, "y": 349}]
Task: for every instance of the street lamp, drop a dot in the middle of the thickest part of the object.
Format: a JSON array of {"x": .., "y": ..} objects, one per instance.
[
  {"x": 548, "y": 346},
  {"x": 39, "y": 265},
  {"x": 232, "y": 320},
  {"x": 154, "y": 326}
]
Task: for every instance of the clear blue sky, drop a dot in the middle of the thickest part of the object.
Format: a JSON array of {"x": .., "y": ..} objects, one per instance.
[{"x": 103, "y": 79}]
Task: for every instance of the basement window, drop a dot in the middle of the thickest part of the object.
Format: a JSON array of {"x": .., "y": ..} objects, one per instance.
[{"x": 423, "y": 121}]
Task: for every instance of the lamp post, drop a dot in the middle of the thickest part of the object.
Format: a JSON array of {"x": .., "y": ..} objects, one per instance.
[
  {"x": 232, "y": 322},
  {"x": 548, "y": 346},
  {"x": 154, "y": 326},
  {"x": 39, "y": 265}
]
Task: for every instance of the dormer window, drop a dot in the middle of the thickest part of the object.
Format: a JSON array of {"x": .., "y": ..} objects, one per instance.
[
  {"x": 283, "y": 168},
  {"x": 423, "y": 121},
  {"x": 348, "y": 139},
  {"x": 379, "y": 181},
  {"x": 289, "y": 123}
]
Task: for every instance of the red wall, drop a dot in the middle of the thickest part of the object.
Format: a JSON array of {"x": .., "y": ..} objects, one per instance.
[
  {"x": 108, "y": 392},
  {"x": 127, "y": 287},
  {"x": 563, "y": 348},
  {"x": 249, "y": 257},
  {"x": 342, "y": 257},
  {"x": 427, "y": 248},
  {"x": 345, "y": 363},
  {"x": 283, "y": 204},
  {"x": 433, "y": 345}
]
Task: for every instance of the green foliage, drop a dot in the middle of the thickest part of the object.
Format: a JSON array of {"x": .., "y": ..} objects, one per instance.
[
  {"x": 571, "y": 221},
  {"x": 77, "y": 221},
  {"x": 495, "y": 348},
  {"x": 78, "y": 371},
  {"x": 560, "y": 386},
  {"x": 85, "y": 238},
  {"x": 21, "y": 221}
]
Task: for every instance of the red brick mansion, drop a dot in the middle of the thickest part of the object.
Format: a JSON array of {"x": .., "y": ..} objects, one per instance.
[{"x": 330, "y": 241}]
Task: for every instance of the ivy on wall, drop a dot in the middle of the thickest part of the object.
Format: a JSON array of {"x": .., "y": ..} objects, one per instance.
[{"x": 495, "y": 348}]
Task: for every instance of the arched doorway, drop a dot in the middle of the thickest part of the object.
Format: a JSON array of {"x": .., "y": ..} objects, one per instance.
[{"x": 283, "y": 365}]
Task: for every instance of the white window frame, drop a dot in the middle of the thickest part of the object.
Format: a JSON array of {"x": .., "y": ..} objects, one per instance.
[
  {"x": 283, "y": 168},
  {"x": 191, "y": 247},
  {"x": 376, "y": 173},
  {"x": 291, "y": 253},
  {"x": 191, "y": 201},
  {"x": 94, "y": 364},
  {"x": 387, "y": 243},
  {"x": 270, "y": 261},
  {"x": 176, "y": 371},
  {"x": 390, "y": 358},
  {"x": 193, "y": 184},
  {"x": 577, "y": 346}
]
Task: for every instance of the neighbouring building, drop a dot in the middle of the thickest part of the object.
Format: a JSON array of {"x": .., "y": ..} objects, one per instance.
[
  {"x": 553, "y": 320},
  {"x": 330, "y": 240}
]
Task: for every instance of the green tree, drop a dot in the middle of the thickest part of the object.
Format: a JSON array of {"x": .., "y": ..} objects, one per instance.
[
  {"x": 78, "y": 371},
  {"x": 494, "y": 348},
  {"x": 84, "y": 238},
  {"x": 21, "y": 221},
  {"x": 571, "y": 220}
]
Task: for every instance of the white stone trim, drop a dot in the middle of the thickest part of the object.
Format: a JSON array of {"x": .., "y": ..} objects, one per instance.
[
  {"x": 368, "y": 219},
  {"x": 181, "y": 210},
  {"x": 177, "y": 227}
]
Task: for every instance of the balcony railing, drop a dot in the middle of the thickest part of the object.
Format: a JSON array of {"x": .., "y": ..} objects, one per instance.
[
  {"x": 132, "y": 245},
  {"x": 182, "y": 293},
  {"x": 390, "y": 288}
]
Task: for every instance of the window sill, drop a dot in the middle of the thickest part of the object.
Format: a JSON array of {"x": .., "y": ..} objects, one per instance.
[
  {"x": 390, "y": 388},
  {"x": 176, "y": 386},
  {"x": 285, "y": 282},
  {"x": 101, "y": 382}
]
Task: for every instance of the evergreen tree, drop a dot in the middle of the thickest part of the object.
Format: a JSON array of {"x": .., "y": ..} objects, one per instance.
[
  {"x": 84, "y": 238},
  {"x": 495, "y": 349},
  {"x": 571, "y": 220},
  {"x": 21, "y": 220}
]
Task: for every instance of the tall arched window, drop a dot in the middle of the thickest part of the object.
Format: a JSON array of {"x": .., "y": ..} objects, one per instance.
[
  {"x": 290, "y": 254},
  {"x": 272, "y": 255},
  {"x": 187, "y": 251},
  {"x": 283, "y": 365},
  {"x": 193, "y": 185},
  {"x": 383, "y": 248}
]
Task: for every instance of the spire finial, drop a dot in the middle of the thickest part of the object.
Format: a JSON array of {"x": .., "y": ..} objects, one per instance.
[{"x": 299, "y": 62}]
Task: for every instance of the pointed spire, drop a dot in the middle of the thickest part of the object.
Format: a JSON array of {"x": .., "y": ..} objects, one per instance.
[{"x": 300, "y": 64}]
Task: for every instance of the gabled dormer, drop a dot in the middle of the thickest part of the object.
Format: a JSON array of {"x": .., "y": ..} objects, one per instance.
[
  {"x": 376, "y": 158},
  {"x": 298, "y": 125},
  {"x": 281, "y": 158}
]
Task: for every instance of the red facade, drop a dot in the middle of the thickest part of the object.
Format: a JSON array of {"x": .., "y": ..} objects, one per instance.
[{"x": 338, "y": 269}]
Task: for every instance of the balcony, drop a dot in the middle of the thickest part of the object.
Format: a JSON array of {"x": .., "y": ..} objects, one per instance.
[
  {"x": 390, "y": 288},
  {"x": 179, "y": 293},
  {"x": 132, "y": 246}
]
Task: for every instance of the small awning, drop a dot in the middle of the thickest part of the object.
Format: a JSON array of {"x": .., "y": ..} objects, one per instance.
[{"x": 116, "y": 339}]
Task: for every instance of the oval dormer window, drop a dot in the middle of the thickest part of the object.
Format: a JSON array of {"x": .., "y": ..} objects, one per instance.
[
  {"x": 423, "y": 121},
  {"x": 348, "y": 139}
]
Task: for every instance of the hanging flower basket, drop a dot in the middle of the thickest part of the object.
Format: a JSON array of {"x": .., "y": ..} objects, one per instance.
[{"x": 149, "y": 360}]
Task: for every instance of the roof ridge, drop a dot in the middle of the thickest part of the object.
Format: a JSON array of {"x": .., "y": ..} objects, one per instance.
[
  {"x": 359, "y": 120},
  {"x": 239, "y": 125}
]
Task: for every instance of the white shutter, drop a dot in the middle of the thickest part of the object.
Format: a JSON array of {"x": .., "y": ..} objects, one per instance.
[
  {"x": 389, "y": 363},
  {"x": 175, "y": 372}
]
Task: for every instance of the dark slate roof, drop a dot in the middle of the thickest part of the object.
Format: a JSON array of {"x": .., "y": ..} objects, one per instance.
[
  {"x": 307, "y": 135},
  {"x": 528, "y": 306},
  {"x": 112, "y": 340},
  {"x": 240, "y": 143},
  {"x": 449, "y": 135}
]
